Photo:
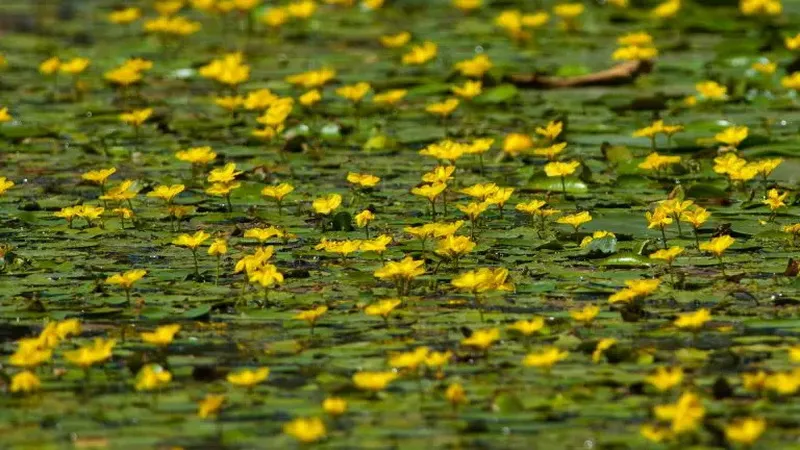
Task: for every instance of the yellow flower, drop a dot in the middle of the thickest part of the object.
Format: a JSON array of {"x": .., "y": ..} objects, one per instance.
[
  {"x": 218, "y": 247},
  {"x": 210, "y": 406},
  {"x": 455, "y": 394},
  {"x": 530, "y": 207},
  {"x": 390, "y": 97},
  {"x": 121, "y": 192},
  {"x": 310, "y": 98},
  {"x": 765, "y": 166},
  {"x": 276, "y": 114},
  {"x": 191, "y": 241},
  {"x": 569, "y": 12},
  {"x": 792, "y": 42},
  {"x": 500, "y": 197},
  {"x": 634, "y": 53},
  {"x": 420, "y": 54},
  {"x": 259, "y": 99},
  {"x": 266, "y": 275},
  {"x": 638, "y": 38},
  {"x": 176, "y": 26},
  {"x": 561, "y": 169},
  {"x": 480, "y": 191},
  {"x": 445, "y": 150},
  {"x": 383, "y": 308},
  {"x": 550, "y": 152},
  {"x": 50, "y": 65},
  {"x": 222, "y": 189},
  {"x": 585, "y": 315},
  {"x": 665, "y": 378},
  {"x": 395, "y": 40},
  {"x": 126, "y": 279},
  {"x": 137, "y": 117},
  {"x": 482, "y": 339},
  {"x": 31, "y": 353},
  {"x": 511, "y": 21},
  {"x": 602, "y": 345},
  {"x": 197, "y": 155},
  {"x": 467, "y": 5},
  {"x": 550, "y": 131},
  {"x": 482, "y": 280},
  {"x": 732, "y": 136},
  {"x": 697, "y": 217},
  {"x": 312, "y": 315},
  {"x": 711, "y": 90},
  {"x": 406, "y": 269},
  {"x": 755, "y": 381},
  {"x": 684, "y": 415},
  {"x": 475, "y": 67},
  {"x": 468, "y": 90},
  {"x": 473, "y": 209},
  {"x": 453, "y": 247},
  {"x": 667, "y": 255},
  {"x": 760, "y": 7},
  {"x": 98, "y": 351},
  {"x": 25, "y": 381},
  {"x": 74, "y": 66},
  {"x": 274, "y": 17},
  {"x": 166, "y": 193},
  {"x": 353, "y": 92},
  {"x": 226, "y": 174},
  {"x": 794, "y": 354},
  {"x": 248, "y": 378},
  {"x": 438, "y": 359},
  {"x": 655, "y": 433},
  {"x": 516, "y": 143},
  {"x": 363, "y": 179},
  {"x": 783, "y": 383},
  {"x": 658, "y": 218},
  {"x": 444, "y": 108},
  {"x": 326, "y": 205},
  {"x": 229, "y": 102},
  {"x": 334, "y": 406},
  {"x": 655, "y": 161},
  {"x": 162, "y": 335},
  {"x": 364, "y": 218},
  {"x": 377, "y": 245},
  {"x": 575, "y": 220},
  {"x": 373, "y": 381},
  {"x": 545, "y": 358},
  {"x": 775, "y": 199},
  {"x": 168, "y": 7},
  {"x": 765, "y": 67},
  {"x": 528, "y": 327},
  {"x": 745, "y": 431},
  {"x": 666, "y": 10},
  {"x": 440, "y": 174},
  {"x": 429, "y": 191},
  {"x": 718, "y": 245},
  {"x": 5, "y": 184},
  {"x": 277, "y": 192},
  {"x": 301, "y": 9},
  {"x": 596, "y": 235},
  {"x": 479, "y": 146},
  {"x": 409, "y": 360},
  {"x": 306, "y": 430},
  {"x": 694, "y": 320},
  {"x": 99, "y": 176},
  {"x": 152, "y": 376}
]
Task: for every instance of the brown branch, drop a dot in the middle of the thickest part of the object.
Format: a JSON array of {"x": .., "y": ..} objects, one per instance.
[{"x": 620, "y": 74}]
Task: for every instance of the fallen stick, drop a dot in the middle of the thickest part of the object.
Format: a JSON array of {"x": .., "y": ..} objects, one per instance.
[{"x": 620, "y": 74}]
